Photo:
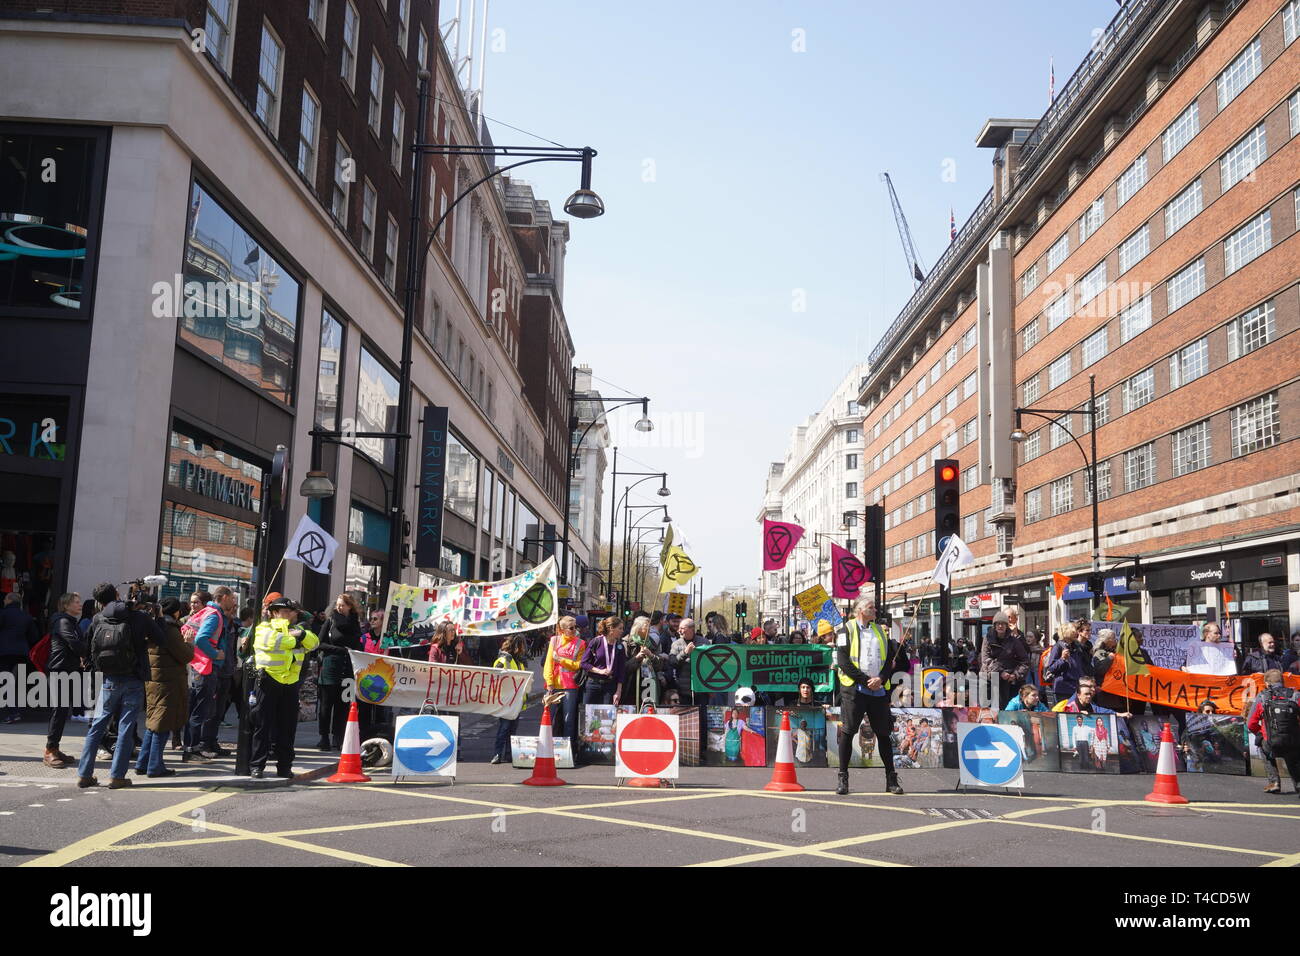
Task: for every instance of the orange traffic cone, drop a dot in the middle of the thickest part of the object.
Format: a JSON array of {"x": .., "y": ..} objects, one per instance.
[
  {"x": 544, "y": 765},
  {"x": 650, "y": 782},
  {"x": 783, "y": 776},
  {"x": 1166, "y": 788},
  {"x": 350, "y": 759}
]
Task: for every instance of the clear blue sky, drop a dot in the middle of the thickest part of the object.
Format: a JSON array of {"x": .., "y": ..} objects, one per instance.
[{"x": 736, "y": 171}]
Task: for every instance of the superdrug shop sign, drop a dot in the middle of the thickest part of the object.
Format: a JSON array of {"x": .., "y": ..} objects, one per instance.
[{"x": 220, "y": 487}]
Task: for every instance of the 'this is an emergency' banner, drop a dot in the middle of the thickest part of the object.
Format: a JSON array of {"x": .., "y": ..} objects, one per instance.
[
  {"x": 397, "y": 682},
  {"x": 490, "y": 608}
]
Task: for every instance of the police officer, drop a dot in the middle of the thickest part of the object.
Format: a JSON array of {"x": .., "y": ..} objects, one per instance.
[
  {"x": 279, "y": 646},
  {"x": 867, "y": 659}
]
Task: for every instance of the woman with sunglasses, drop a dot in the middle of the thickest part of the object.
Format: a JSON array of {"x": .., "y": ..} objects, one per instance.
[{"x": 564, "y": 653}]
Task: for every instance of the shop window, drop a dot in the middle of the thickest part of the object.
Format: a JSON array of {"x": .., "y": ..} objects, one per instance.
[
  {"x": 327, "y": 375},
  {"x": 462, "y": 479},
  {"x": 376, "y": 409}
]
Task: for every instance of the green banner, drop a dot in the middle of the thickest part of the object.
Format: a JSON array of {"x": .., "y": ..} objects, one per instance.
[{"x": 721, "y": 668}]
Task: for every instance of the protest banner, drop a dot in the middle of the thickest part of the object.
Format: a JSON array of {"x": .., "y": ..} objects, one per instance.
[
  {"x": 523, "y": 753},
  {"x": 1172, "y": 688},
  {"x": 1215, "y": 743},
  {"x": 1206, "y": 658},
  {"x": 720, "y": 668},
  {"x": 398, "y": 682},
  {"x": 1089, "y": 743},
  {"x": 1165, "y": 644},
  {"x": 493, "y": 608},
  {"x": 596, "y": 732},
  {"x": 1041, "y": 749},
  {"x": 817, "y": 605},
  {"x": 807, "y": 734},
  {"x": 736, "y": 737},
  {"x": 675, "y": 603},
  {"x": 917, "y": 740}
]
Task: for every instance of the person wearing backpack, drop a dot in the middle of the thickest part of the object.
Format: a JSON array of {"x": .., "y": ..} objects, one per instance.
[
  {"x": 1276, "y": 715},
  {"x": 67, "y": 651},
  {"x": 119, "y": 638}
]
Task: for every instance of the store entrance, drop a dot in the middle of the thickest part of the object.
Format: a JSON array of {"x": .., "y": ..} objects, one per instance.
[{"x": 29, "y": 518}]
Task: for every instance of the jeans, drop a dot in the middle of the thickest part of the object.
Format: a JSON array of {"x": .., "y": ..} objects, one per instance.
[
  {"x": 565, "y": 717},
  {"x": 505, "y": 730},
  {"x": 599, "y": 690},
  {"x": 151, "y": 752},
  {"x": 203, "y": 692},
  {"x": 221, "y": 689},
  {"x": 123, "y": 698}
]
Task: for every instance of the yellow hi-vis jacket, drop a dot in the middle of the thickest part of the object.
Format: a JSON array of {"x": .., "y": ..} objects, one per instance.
[
  {"x": 278, "y": 652},
  {"x": 855, "y": 650}
]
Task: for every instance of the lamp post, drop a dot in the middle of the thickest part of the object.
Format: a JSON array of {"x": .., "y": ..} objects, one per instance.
[
  {"x": 616, "y": 501},
  {"x": 875, "y": 561},
  {"x": 1019, "y": 435},
  {"x": 628, "y": 528},
  {"x": 583, "y": 204}
]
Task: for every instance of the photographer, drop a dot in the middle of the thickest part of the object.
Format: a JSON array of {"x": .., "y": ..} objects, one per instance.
[{"x": 279, "y": 646}]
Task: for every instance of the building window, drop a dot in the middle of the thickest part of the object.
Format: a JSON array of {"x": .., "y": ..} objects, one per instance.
[
  {"x": 1251, "y": 331},
  {"x": 1239, "y": 74},
  {"x": 327, "y": 375},
  {"x": 969, "y": 339},
  {"x": 970, "y": 527},
  {"x": 1033, "y": 447},
  {"x": 1134, "y": 249},
  {"x": 1029, "y": 336},
  {"x": 390, "y": 255},
  {"x": 907, "y": 436},
  {"x": 1059, "y": 310},
  {"x": 1189, "y": 363},
  {"x": 969, "y": 385},
  {"x": 1139, "y": 390},
  {"x": 216, "y": 30},
  {"x": 376, "y": 408},
  {"x": 1247, "y": 243},
  {"x": 852, "y": 436},
  {"x": 399, "y": 122},
  {"x": 950, "y": 444},
  {"x": 403, "y": 25},
  {"x": 1135, "y": 318},
  {"x": 369, "y": 200},
  {"x": 1103, "y": 479},
  {"x": 1030, "y": 390},
  {"x": 935, "y": 371},
  {"x": 1140, "y": 467},
  {"x": 348, "y": 66},
  {"x": 950, "y": 400},
  {"x": 1029, "y": 280},
  {"x": 1092, "y": 284},
  {"x": 1291, "y": 21},
  {"x": 907, "y": 400},
  {"x": 850, "y": 461},
  {"x": 1186, "y": 285},
  {"x": 316, "y": 15},
  {"x": 1255, "y": 425},
  {"x": 1183, "y": 208},
  {"x": 308, "y": 135},
  {"x": 920, "y": 390},
  {"x": 850, "y": 489},
  {"x": 1058, "y": 371},
  {"x": 935, "y": 412},
  {"x": 1103, "y": 409},
  {"x": 1058, "y": 435},
  {"x": 422, "y": 49},
  {"x": 1240, "y": 161},
  {"x": 376, "y": 92},
  {"x": 1033, "y": 505},
  {"x": 1062, "y": 495},
  {"x": 1131, "y": 180},
  {"x": 1060, "y": 249},
  {"x": 1091, "y": 220},
  {"x": 951, "y": 358},
  {"x": 270, "y": 68},
  {"x": 1191, "y": 448},
  {"x": 342, "y": 182},
  {"x": 969, "y": 479},
  {"x": 970, "y": 431},
  {"x": 1181, "y": 131}
]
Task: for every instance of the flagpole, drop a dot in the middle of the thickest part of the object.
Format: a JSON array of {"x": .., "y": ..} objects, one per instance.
[{"x": 270, "y": 582}]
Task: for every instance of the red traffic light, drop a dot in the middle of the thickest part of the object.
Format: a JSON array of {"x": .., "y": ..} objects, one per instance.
[{"x": 948, "y": 473}]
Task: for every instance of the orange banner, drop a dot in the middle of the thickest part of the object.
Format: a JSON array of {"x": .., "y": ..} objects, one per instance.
[
  {"x": 1059, "y": 582},
  {"x": 1172, "y": 688}
]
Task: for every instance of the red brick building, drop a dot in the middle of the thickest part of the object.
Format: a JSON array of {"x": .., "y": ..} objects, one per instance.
[{"x": 1142, "y": 233}]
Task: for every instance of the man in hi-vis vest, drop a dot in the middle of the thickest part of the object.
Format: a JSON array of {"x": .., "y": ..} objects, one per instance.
[
  {"x": 866, "y": 659},
  {"x": 279, "y": 646}
]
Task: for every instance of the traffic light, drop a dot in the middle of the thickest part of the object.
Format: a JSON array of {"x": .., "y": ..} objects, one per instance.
[
  {"x": 742, "y": 610},
  {"x": 947, "y": 501}
]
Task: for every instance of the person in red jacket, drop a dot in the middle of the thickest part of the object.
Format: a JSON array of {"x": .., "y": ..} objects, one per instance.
[{"x": 1290, "y": 755}]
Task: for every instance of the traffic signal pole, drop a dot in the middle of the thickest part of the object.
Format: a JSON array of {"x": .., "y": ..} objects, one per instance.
[{"x": 947, "y": 515}]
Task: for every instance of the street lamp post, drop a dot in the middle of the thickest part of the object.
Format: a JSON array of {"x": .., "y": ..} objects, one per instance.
[
  {"x": 616, "y": 501},
  {"x": 628, "y": 528},
  {"x": 1019, "y": 435},
  {"x": 583, "y": 204}
]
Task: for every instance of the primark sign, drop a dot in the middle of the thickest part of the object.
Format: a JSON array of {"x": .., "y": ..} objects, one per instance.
[{"x": 219, "y": 487}]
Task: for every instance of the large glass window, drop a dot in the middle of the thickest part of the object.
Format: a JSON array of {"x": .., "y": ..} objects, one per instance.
[
  {"x": 240, "y": 306},
  {"x": 1250, "y": 331},
  {"x": 202, "y": 550},
  {"x": 527, "y": 530},
  {"x": 1240, "y": 161},
  {"x": 1183, "y": 208},
  {"x": 46, "y": 195},
  {"x": 1239, "y": 73},
  {"x": 376, "y": 408},
  {"x": 327, "y": 374},
  {"x": 462, "y": 478},
  {"x": 1181, "y": 131}
]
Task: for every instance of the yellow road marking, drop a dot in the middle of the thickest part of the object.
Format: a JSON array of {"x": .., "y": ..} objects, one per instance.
[
  {"x": 1133, "y": 836},
  {"x": 1291, "y": 859},
  {"x": 820, "y": 849},
  {"x": 106, "y": 838},
  {"x": 298, "y": 845}
]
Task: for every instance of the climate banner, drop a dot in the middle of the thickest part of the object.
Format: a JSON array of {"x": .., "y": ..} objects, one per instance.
[
  {"x": 1172, "y": 688},
  {"x": 398, "y": 682},
  {"x": 489, "y": 608}
]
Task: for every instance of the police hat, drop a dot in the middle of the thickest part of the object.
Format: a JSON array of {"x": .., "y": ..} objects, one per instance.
[{"x": 283, "y": 603}]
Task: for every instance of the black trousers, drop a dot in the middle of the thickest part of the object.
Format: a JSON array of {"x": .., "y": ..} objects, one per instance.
[
  {"x": 332, "y": 713},
  {"x": 274, "y": 716},
  {"x": 855, "y": 706}
]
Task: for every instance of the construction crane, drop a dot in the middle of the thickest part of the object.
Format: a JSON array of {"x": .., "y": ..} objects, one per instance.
[{"x": 915, "y": 270}]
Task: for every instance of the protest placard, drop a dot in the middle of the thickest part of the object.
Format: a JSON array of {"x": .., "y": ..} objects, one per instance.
[
  {"x": 398, "y": 682},
  {"x": 720, "y": 668}
]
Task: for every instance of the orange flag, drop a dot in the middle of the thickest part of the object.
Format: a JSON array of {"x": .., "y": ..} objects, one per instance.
[
  {"x": 1227, "y": 599},
  {"x": 1059, "y": 581},
  {"x": 1110, "y": 609}
]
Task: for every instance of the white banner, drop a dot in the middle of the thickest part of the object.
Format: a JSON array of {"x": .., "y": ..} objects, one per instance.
[
  {"x": 1165, "y": 644},
  {"x": 312, "y": 545},
  {"x": 398, "y": 682},
  {"x": 955, "y": 555},
  {"x": 510, "y": 605}
]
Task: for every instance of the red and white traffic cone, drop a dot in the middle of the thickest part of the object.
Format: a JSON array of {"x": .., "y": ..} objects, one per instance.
[
  {"x": 350, "y": 759},
  {"x": 783, "y": 775},
  {"x": 649, "y": 782},
  {"x": 1166, "y": 787},
  {"x": 544, "y": 765}
]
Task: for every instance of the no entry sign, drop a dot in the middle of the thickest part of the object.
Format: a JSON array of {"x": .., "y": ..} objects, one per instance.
[{"x": 645, "y": 745}]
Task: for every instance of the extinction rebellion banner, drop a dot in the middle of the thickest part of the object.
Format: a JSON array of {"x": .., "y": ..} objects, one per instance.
[
  {"x": 1165, "y": 644},
  {"x": 489, "y": 608},
  {"x": 397, "y": 682},
  {"x": 1173, "y": 688},
  {"x": 719, "y": 668}
]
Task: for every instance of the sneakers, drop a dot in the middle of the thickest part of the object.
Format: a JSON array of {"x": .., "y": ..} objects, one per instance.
[
  {"x": 164, "y": 772},
  {"x": 85, "y": 782},
  {"x": 213, "y": 753},
  {"x": 843, "y": 788},
  {"x": 80, "y": 718},
  {"x": 496, "y": 758},
  {"x": 192, "y": 756},
  {"x": 1273, "y": 788},
  {"x": 54, "y": 759},
  {"x": 891, "y": 783},
  {"x": 119, "y": 783}
]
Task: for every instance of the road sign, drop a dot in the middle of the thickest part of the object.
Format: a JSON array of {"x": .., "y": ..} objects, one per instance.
[
  {"x": 645, "y": 745},
  {"x": 425, "y": 744},
  {"x": 990, "y": 755}
]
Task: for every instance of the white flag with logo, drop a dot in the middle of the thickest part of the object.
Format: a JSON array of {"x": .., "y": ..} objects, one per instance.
[
  {"x": 955, "y": 555},
  {"x": 312, "y": 545}
]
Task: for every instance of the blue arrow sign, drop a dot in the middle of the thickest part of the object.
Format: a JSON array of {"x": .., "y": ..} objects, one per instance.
[
  {"x": 991, "y": 755},
  {"x": 423, "y": 744}
]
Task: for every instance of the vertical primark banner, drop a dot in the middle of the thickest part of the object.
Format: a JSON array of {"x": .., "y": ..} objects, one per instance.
[{"x": 433, "y": 479}]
